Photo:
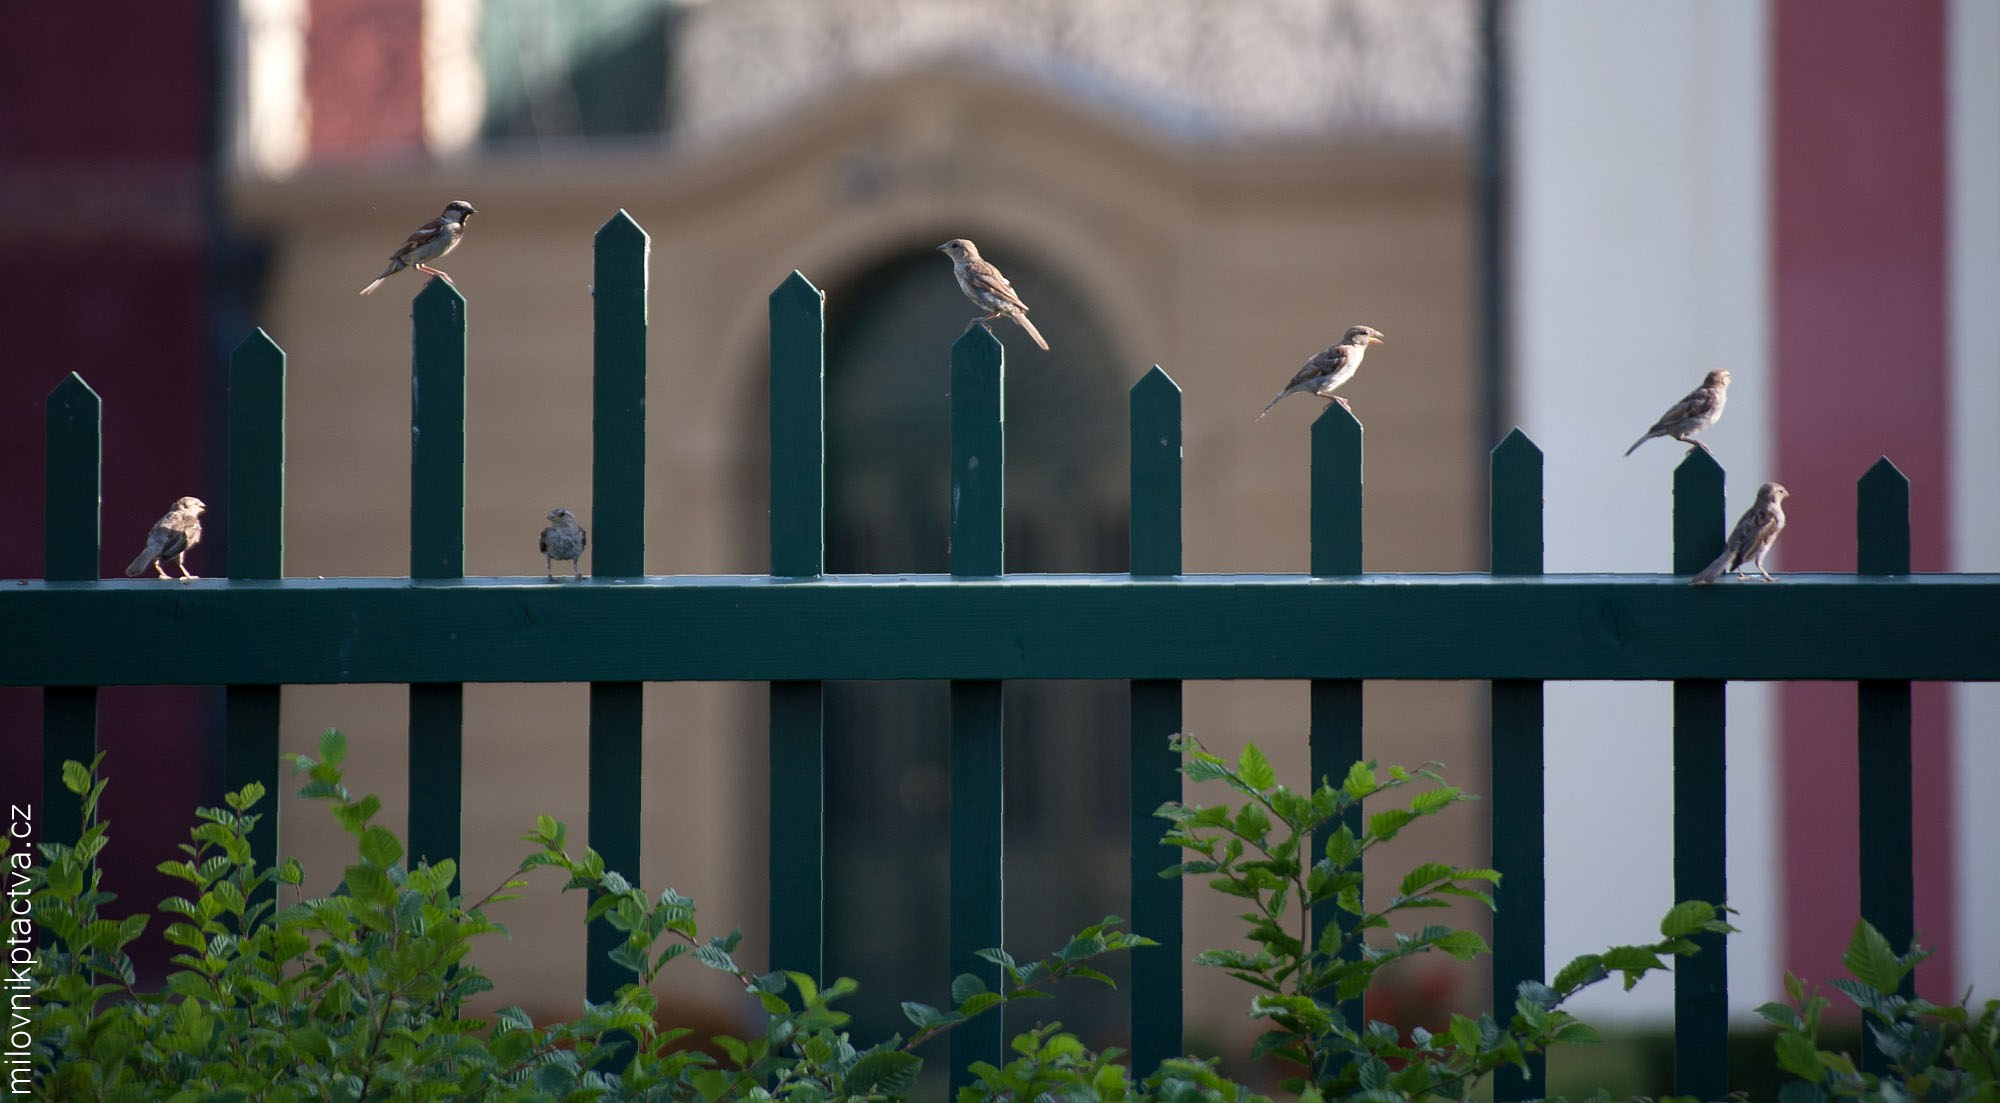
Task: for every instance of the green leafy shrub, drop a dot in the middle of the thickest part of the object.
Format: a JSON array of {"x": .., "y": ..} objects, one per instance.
[
  {"x": 1936, "y": 1054},
  {"x": 360, "y": 995}
]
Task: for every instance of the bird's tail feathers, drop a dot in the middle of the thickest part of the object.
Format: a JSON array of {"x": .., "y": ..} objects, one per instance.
[
  {"x": 1032, "y": 331},
  {"x": 1273, "y": 404},
  {"x": 1637, "y": 443},
  {"x": 1714, "y": 570},
  {"x": 373, "y": 286},
  {"x": 140, "y": 564}
]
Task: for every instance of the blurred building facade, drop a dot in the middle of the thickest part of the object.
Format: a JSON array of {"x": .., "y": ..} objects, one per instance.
[{"x": 1199, "y": 188}]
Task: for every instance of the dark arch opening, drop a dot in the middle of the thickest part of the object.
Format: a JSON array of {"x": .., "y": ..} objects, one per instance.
[{"x": 889, "y": 334}]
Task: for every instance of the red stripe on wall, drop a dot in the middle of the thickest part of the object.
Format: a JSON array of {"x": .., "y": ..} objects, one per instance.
[{"x": 1859, "y": 271}]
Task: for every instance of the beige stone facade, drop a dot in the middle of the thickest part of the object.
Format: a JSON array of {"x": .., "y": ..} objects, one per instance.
[{"x": 1226, "y": 266}]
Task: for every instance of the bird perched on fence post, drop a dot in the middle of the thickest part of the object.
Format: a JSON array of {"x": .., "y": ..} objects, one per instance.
[
  {"x": 1752, "y": 537},
  {"x": 173, "y": 536},
  {"x": 1701, "y": 409},
  {"x": 1330, "y": 367},
  {"x": 431, "y": 240},
  {"x": 987, "y": 288},
  {"x": 563, "y": 539}
]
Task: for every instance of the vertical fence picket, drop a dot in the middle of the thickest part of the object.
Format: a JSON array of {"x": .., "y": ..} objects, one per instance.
[
  {"x": 617, "y": 550},
  {"x": 256, "y": 551},
  {"x": 1701, "y": 982},
  {"x": 978, "y": 751},
  {"x": 1888, "y": 841},
  {"x": 1517, "y": 758},
  {"x": 798, "y": 550},
  {"x": 1156, "y": 714},
  {"x": 437, "y": 551},
  {"x": 71, "y": 511},
  {"x": 1335, "y": 739}
]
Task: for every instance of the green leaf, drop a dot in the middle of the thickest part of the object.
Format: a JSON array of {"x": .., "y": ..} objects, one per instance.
[
  {"x": 1798, "y": 1056},
  {"x": 884, "y": 1072},
  {"x": 379, "y": 847},
  {"x": 1423, "y": 876},
  {"x": 1385, "y": 825},
  {"x": 1872, "y": 961},
  {"x": 332, "y": 746},
  {"x": 1687, "y": 917},
  {"x": 921, "y": 1014},
  {"x": 965, "y": 986},
  {"x": 76, "y": 778},
  {"x": 1255, "y": 769},
  {"x": 1360, "y": 780}
]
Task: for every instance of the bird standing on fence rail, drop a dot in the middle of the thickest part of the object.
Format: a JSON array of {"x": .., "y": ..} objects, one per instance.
[
  {"x": 173, "y": 536},
  {"x": 1330, "y": 367},
  {"x": 1701, "y": 409},
  {"x": 1752, "y": 537},
  {"x": 432, "y": 240},
  {"x": 563, "y": 539},
  {"x": 987, "y": 288}
]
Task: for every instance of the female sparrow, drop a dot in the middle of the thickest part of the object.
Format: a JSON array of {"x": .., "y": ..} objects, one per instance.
[
  {"x": 171, "y": 538},
  {"x": 987, "y": 288},
  {"x": 1332, "y": 366},
  {"x": 563, "y": 539},
  {"x": 1701, "y": 409},
  {"x": 432, "y": 240},
  {"x": 1752, "y": 537}
]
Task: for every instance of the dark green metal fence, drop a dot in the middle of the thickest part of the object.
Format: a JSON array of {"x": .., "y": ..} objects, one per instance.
[{"x": 798, "y": 628}]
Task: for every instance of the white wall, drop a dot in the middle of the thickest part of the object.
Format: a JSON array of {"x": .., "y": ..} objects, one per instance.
[
  {"x": 1973, "y": 227},
  {"x": 1641, "y": 243}
]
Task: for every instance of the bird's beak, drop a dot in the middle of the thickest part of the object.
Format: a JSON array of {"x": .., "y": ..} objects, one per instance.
[
  {"x": 945, "y": 248},
  {"x": 1375, "y": 341}
]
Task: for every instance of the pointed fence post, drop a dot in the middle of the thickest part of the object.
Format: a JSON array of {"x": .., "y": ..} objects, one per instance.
[
  {"x": 1701, "y": 982},
  {"x": 1335, "y": 738},
  {"x": 978, "y": 751},
  {"x": 71, "y": 508},
  {"x": 1517, "y": 763},
  {"x": 256, "y": 551},
  {"x": 798, "y": 550},
  {"x": 616, "y": 761},
  {"x": 1888, "y": 838},
  {"x": 437, "y": 551},
  {"x": 1156, "y": 715}
]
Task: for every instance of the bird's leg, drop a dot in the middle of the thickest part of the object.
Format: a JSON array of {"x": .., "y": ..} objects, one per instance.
[
  {"x": 1343, "y": 402},
  {"x": 180, "y": 564},
  {"x": 428, "y": 270},
  {"x": 162, "y": 570},
  {"x": 550, "y": 566},
  {"x": 1760, "y": 567},
  {"x": 576, "y": 567}
]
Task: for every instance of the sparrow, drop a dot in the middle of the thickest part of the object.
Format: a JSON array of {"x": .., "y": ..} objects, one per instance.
[
  {"x": 171, "y": 538},
  {"x": 1701, "y": 409},
  {"x": 1752, "y": 537},
  {"x": 987, "y": 288},
  {"x": 1332, "y": 366},
  {"x": 563, "y": 539},
  {"x": 432, "y": 240}
]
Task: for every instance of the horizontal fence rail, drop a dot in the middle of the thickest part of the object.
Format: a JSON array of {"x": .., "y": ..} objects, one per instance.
[
  {"x": 977, "y": 627},
  {"x": 755, "y": 628}
]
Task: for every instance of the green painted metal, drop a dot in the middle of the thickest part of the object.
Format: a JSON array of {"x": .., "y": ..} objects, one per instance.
[
  {"x": 1334, "y": 741},
  {"x": 618, "y": 448},
  {"x": 1517, "y": 763},
  {"x": 256, "y": 550},
  {"x": 437, "y": 551},
  {"x": 756, "y": 628},
  {"x": 1887, "y": 811},
  {"x": 978, "y": 749},
  {"x": 617, "y": 782},
  {"x": 617, "y": 550},
  {"x": 1155, "y": 908},
  {"x": 1701, "y": 802},
  {"x": 798, "y": 550},
  {"x": 74, "y": 458},
  {"x": 1336, "y": 493}
]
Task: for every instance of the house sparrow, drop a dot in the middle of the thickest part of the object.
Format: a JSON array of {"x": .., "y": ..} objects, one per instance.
[
  {"x": 1332, "y": 366},
  {"x": 1752, "y": 537},
  {"x": 432, "y": 240},
  {"x": 171, "y": 538},
  {"x": 1701, "y": 409},
  {"x": 987, "y": 288},
  {"x": 563, "y": 539}
]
